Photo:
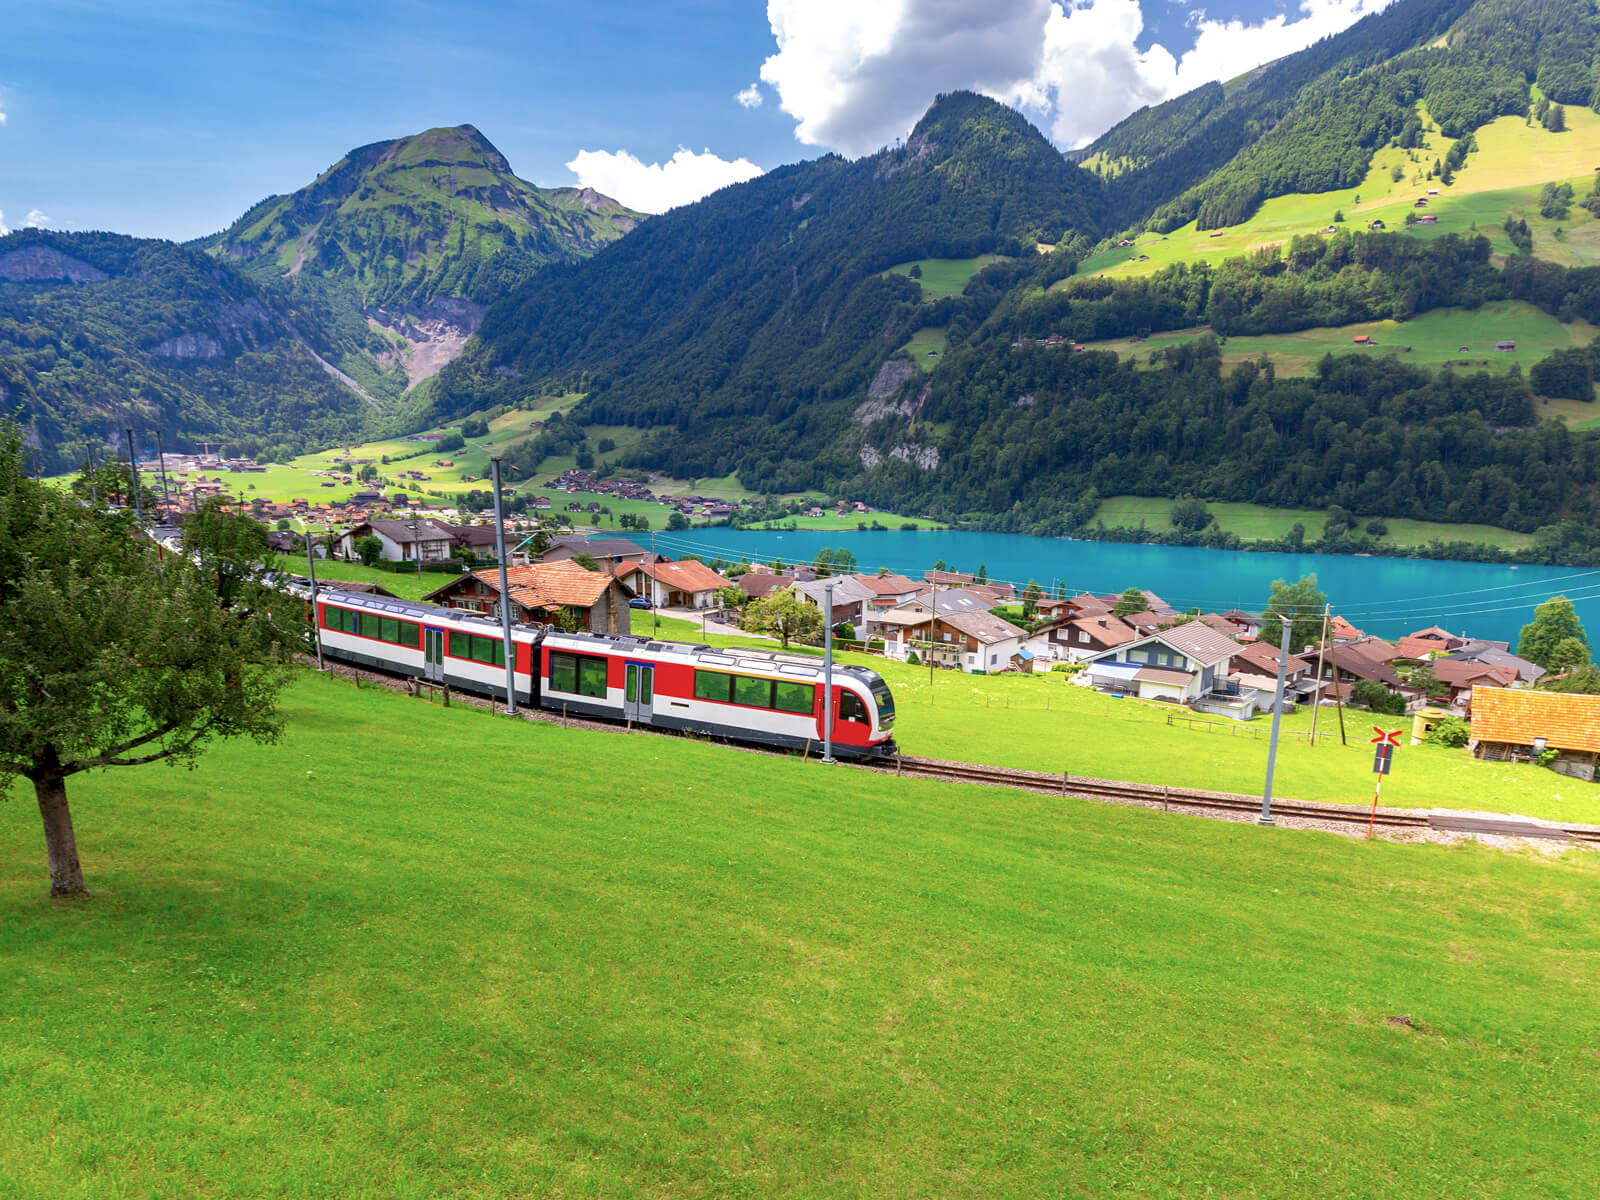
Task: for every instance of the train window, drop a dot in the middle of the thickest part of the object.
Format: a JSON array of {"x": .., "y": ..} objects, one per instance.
[
  {"x": 488, "y": 650},
  {"x": 460, "y": 645},
  {"x": 563, "y": 672},
  {"x": 793, "y": 697},
  {"x": 592, "y": 677},
  {"x": 712, "y": 685},
  {"x": 391, "y": 629},
  {"x": 851, "y": 708},
  {"x": 371, "y": 625},
  {"x": 755, "y": 692},
  {"x": 880, "y": 693}
]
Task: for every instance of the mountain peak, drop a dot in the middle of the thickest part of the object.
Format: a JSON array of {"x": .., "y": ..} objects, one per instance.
[{"x": 436, "y": 214}]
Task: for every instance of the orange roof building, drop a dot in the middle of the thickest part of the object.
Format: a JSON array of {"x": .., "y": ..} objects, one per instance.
[
  {"x": 687, "y": 584},
  {"x": 553, "y": 593},
  {"x": 1509, "y": 724}
]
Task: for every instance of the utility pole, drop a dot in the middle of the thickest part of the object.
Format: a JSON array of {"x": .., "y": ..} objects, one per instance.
[
  {"x": 650, "y": 575},
  {"x": 166, "y": 497},
  {"x": 933, "y": 623},
  {"x": 1316, "y": 699},
  {"x": 827, "y": 673},
  {"x": 94, "y": 488},
  {"x": 1338, "y": 700},
  {"x": 133, "y": 468},
  {"x": 1277, "y": 715},
  {"x": 316, "y": 617},
  {"x": 505, "y": 594}
]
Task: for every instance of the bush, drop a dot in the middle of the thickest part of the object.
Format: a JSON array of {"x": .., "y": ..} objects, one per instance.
[
  {"x": 1452, "y": 731},
  {"x": 474, "y": 428},
  {"x": 845, "y": 630},
  {"x": 449, "y": 443},
  {"x": 912, "y": 660}
]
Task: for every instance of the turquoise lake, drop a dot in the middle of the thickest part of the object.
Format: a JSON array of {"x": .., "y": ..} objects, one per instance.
[{"x": 1386, "y": 596}]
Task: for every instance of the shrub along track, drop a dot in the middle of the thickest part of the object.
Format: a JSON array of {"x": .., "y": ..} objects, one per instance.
[{"x": 1301, "y": 814}]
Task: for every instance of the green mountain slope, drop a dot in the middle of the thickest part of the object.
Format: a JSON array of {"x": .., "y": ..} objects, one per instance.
[
  {"x": 438, "y": 214},
  {"x": 99, "y": 331},
  {"x": 766, "y": 309}
]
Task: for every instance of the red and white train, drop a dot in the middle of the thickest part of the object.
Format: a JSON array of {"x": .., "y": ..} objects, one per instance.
[{"x": 745, "y": 695}]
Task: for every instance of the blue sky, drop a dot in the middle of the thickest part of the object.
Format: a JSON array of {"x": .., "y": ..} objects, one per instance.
[{"x": 169, "y": 119}]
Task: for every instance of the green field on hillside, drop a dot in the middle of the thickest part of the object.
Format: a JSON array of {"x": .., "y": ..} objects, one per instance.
[
  {"x": 1503, "y": 175},
  {"x": 1254, "y": 521},
  {"x": 517, "y": 959},
  {"x": 1463, "y": 338},
  {"x": 943, "y": 277},
  {"x": 1040, "y": 722},
  {"x": 926, "y": 347}
]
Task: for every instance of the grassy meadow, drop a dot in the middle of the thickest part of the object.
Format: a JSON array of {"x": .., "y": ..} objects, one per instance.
[
  {"x": 1459, "y": 337},
  {"x": 411, "y": 952},
  {"x": 1040, "y": 722},
  {"x": 1256, "y": 521},
  {"x": 1504, "y": 175},
  {"x": 943, "y": 277}
]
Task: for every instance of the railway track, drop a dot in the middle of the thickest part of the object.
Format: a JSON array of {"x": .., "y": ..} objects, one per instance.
[
  {"x": 1196, "y": 800},
  {"x": 1115, "y": 791}
]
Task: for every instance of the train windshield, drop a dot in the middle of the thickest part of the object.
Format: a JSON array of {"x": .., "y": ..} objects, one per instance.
[{"x": 885, "y": 701}]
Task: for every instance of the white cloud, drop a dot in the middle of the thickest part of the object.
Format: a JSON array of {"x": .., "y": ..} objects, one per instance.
[
  {"x": 855, "y": 74},
  {"x": 656, "y": 187},
  {"x": 749, "y": 97},
  {"x": 2, "y": 116},
  {"x": 3, "y": 229},
  {"x": 36, "y": 220}
]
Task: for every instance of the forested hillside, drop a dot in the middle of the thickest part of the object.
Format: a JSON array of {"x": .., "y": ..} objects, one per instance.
[
  {"x": 99, "y": 331},
  {"x": 759, "y": 312}
]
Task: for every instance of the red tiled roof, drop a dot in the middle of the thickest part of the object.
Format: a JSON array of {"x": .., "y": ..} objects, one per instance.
[
  {"x": 1517, "y": 717},
  {"x": 1460, "y": 673},
  {"x": 542, "y": 585}
]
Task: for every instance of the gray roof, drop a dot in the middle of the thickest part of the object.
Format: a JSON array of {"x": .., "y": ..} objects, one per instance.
[
  {"x": 955, "y": 600},
  {"x": 984, "y": 626},
  {"x": 1197, "y": 640},
  {"x": 847, "y": 589},
  {"x": 407, "y": 532},
  {"x": 599, "y": 547},
  {"x": 1494, "y": 654}
]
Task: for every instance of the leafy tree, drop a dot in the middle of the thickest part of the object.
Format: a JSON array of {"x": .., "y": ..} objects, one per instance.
[
  {"x": 1373, "y": 695},
  {"x": 784, "y": 615},
  {"x": 112, "y": 654},
  {"x": 1303, "y": 603},
  {"x": 368, "y": 472},
  {"x": 1131, "y": 601},
  {"x": 983, "y": 573},
  {"x": 1555, "y": 200},
  {"x": 1031, "y": 595},
  {"x": 1567, "y": 654},
  {"x": 677, "y": 521},
  {"x": 1583, "y": 681},
  {"x": 449, "y": 443},
  {"x": 474, "y": 428},
  {"x": 1191, "y": 513},
  {"x": 1452, "y": 732},
  {"x": 1556, "y": 119},
  {"x": 232, "y": 549},
  {"x": 368, "y": 548},
  {"x": 586, "y": 560},
  {"x": 1554, "y": 623},
  {"x": 1424, "y": 679}
]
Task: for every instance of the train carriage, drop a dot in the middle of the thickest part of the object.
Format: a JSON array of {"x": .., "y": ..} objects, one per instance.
[{"x": 742, "y": 694}]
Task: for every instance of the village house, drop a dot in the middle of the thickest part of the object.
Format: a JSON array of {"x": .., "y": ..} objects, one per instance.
[
  {"x": 477, "y": 538},
  {"x": 1085, "y": 637},
  {"x": 562, "y": 594},
  {"x": 687, "y": 584},
  {"x": 403, "y": 541},
  {"x": 852, "y": 599},
  {"x": 758, "y": 585},
  {"x": 1495, "y": 654},
  {"x": 1461, "y": 676},
  {"x": 1425, "y": 644},
  {"x": 1186, "y": 664},
  {"x": 1256, "y": 666},
  {"x": 1519, "y": 726},
  {"x": 609, "y": 554},
  {"x": 1245, "y": 626}
]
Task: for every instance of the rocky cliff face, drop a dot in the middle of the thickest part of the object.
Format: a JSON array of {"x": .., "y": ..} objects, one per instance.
[{"x": 46, "y": 264}]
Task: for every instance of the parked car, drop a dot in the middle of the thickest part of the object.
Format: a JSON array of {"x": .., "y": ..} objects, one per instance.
[{"x": 640, "y": 602}]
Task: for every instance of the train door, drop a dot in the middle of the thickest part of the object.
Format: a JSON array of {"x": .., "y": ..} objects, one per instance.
[
  {"x": 638, "y": 692},
  {"x": 852, "y": 723},
  {"x": 433, "y": 654}
]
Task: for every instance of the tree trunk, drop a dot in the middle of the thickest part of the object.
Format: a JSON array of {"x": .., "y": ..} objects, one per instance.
[{"x": 66, "y": 876}]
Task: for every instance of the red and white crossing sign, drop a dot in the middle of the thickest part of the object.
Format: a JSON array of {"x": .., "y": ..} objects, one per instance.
[{"x": 1383, "y": 743}]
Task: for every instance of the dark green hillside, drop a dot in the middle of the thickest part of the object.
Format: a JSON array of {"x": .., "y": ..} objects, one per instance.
[
  {"x": 762, "y": 311},
  {"x": 408, "y": 220},
  {"x": 100, "y": 331}
]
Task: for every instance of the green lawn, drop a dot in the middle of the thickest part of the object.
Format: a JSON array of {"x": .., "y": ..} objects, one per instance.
[
  {"x": 408, "y": 585},
  {"x": 1504, "y": 175},
  {"x": 1432, "y": 339},
  {"x": 926, "y": 347},
  {"x": 1041, "y": 723},
  {"x": 942, "y": 277},
  {"x": 556, "y": 962},
  {"x": 1255, "y": 521}
]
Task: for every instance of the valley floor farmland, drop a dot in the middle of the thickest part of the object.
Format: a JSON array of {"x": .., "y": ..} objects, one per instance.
[{"x": 493, "y": 957}]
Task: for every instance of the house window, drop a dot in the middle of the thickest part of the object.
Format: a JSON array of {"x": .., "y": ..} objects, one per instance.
[{"x": 1083, "y": 636}]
